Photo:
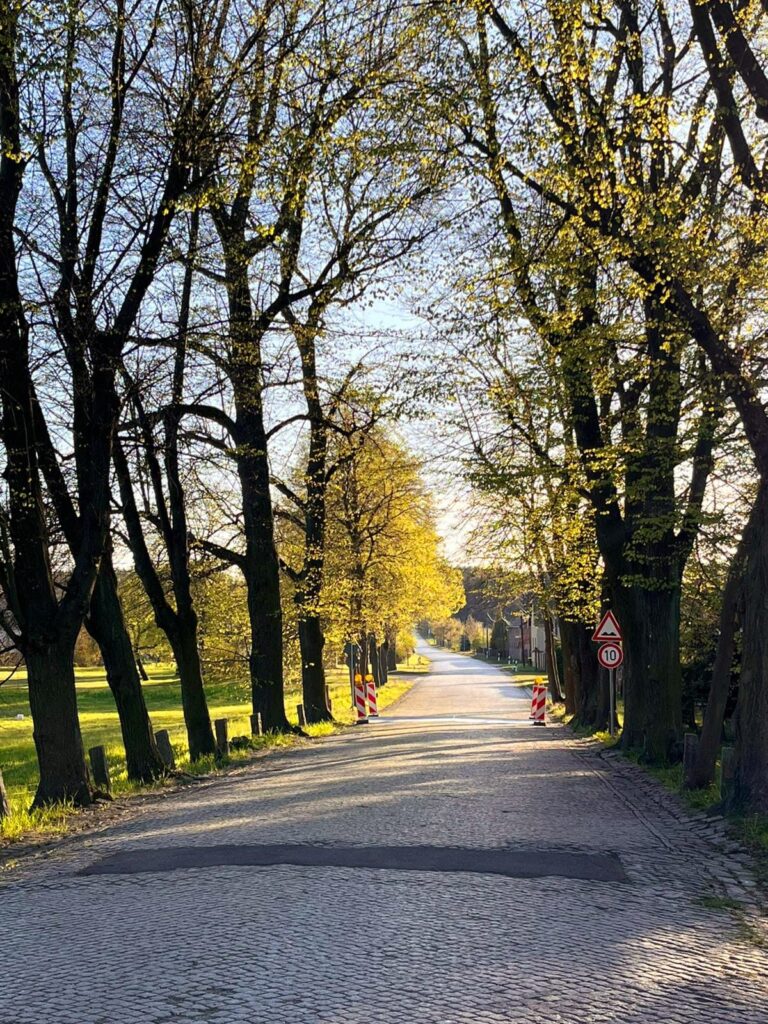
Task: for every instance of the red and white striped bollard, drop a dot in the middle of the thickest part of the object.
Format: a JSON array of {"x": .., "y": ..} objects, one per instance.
[
  {"x": 360, "y": 705},
  {"x": 540, "y": 704},
  {"x": 373, "y": 705},
  {"x": 536, "y": 688}
]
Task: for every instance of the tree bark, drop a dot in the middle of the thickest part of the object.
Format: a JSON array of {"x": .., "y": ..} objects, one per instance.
[
  {"x": 107, "y": 627},
  {"x": 179, "y": 624},
  {"x": 750, "y": 791},
  {"x": 141, "y": 670},
  {"x": 551, "y": 660},
  {"x": 391, "y": 645},
  {"x": 701, "y": 772},
  {"x": 593, "y": 710},
  {"x": 373, "y": 651},
  {"x": 25, "y": 571},
  {"x": 571, "y": 666},
  {"x": 311, "y": 644},
  {"x": 262, "y": 571},
  {"x": 183, "y": 640},
  {"x": 650, "y": 623},
  {"x": 58, "y": 741}
]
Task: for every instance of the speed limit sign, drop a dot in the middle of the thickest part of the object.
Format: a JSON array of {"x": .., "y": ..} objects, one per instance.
[{"x": 610, "y": 655}]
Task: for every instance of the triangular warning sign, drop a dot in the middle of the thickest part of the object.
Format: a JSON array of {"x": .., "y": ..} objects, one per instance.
[{"x": 608, "y": 629}]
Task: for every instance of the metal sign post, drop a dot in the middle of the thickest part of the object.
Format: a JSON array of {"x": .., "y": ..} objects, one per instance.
[
  {"x": 351, "y": 652},
  {"x": 610, "y": 654}
]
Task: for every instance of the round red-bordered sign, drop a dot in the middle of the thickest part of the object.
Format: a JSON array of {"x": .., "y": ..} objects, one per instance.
[{"x": 610, "y": 655}]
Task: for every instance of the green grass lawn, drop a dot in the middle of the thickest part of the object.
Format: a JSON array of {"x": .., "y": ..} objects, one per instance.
[{"x": 100, "y": 726}]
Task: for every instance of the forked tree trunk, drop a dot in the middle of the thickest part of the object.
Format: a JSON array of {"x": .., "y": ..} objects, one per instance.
[
  {"x": 107, "y": 627},
  {"x": 311, "y": 644},
  {"x": 58, "y": 741}
]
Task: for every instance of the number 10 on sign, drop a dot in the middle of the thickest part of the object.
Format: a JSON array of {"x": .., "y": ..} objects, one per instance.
[{"x": 610, "y": 654}]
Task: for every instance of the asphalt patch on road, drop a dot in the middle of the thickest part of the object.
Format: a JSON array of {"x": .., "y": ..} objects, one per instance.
[{"x": 594, "y": 867}]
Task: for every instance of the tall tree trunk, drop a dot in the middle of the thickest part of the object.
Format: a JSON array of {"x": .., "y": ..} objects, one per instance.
[
  {"x": 751, "y": 770},
  {"x": 25, "y": 567},
  {"x": 603, "y": 721},
  {"x": 107, "y": 627},
  {"x": 553, "y": 674},
  {"x": 701, "y": 772},
  {"x": 265, "y": 660},
  {"x": 365, "y": 649},
  {"x": 197, "y": 719},
  {"x": 593, "y": 710},
  {"x": 650, "y": 623},
  {"x": 571, "y": 666},
  {"x": 391, "y": 645},
  {"x": 373, "y": 651},
  {"x": 179, "y": 624},
  {"x": 311, "y": 644},
  {"x": 58, "y": 741}
]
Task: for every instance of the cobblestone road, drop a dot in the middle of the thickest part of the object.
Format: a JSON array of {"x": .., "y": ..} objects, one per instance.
[{"x": 454, "y": 764}]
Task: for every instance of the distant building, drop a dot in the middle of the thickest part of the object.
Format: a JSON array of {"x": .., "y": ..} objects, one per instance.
[{"x": 527, "y": 640}]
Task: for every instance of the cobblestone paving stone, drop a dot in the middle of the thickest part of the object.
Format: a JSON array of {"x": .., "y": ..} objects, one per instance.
[{"x": 456, "y": 763}]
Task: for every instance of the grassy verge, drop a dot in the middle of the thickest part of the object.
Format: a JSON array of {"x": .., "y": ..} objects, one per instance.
[{"x": 100, "y": 727}]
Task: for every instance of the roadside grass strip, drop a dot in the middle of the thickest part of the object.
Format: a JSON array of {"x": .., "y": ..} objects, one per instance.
[{"x": 100, "y": 727}]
